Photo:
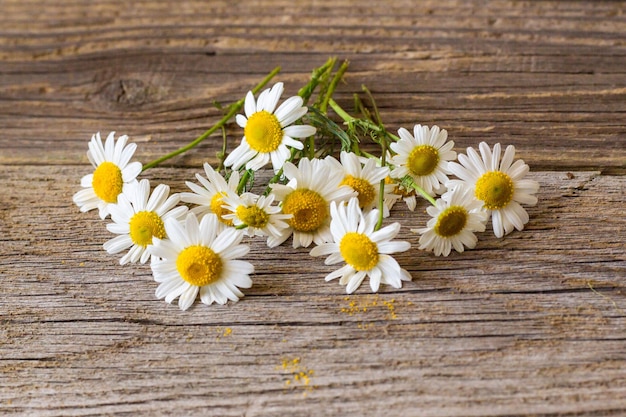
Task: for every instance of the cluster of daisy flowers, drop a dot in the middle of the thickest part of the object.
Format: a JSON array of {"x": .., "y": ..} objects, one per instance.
[{"x": 335, "y": 204}]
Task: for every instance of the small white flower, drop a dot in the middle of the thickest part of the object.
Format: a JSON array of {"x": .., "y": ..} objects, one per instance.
[
  {"x": 269, "y": 134},
  {"x": 363, "y": 179},
  {"x": 455, "y": 219},
  {"x": 499, "y": 184},
  {"x": 424, "y": 157},
  {"x": 210, "y": 199},
  {"x": 307, "y": 197},
  {"x": 197, "y": 258},
  {"x": 112, "y": 174},
  {"x": 365, "y": 251},
  {"x": 138, "y": 217},
  {"x": 256, "y": 214}
]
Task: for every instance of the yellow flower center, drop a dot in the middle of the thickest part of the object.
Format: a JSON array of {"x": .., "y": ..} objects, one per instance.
[
  {"x": 144, "y": 225},
  {"x": 253, "y": 216},
  {"x": 199, "y": 265},
  {"x": 451, "y": 221},
  {"x": 308, "y": 208},
  {"x": 263, "y": 132},
  {"x": 216, "y": 207},
  {"x": 107, "y": 182},
  {"x": 359, "y": 251},
  {"x": 423, "y": 160},
  {"x": 366, "y": 191},
  {"x": 495, "y": 189}
]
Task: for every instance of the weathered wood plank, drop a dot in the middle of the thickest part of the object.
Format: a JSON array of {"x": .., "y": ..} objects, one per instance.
[
  {"x": 547, "y": 77},
  {"x": 532, "y": 322}
]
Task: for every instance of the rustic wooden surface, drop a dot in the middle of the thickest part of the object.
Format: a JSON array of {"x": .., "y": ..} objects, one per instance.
[{"x": 532, "y": 324}]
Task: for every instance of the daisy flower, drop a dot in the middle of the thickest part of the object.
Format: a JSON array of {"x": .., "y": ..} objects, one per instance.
[
  {"x": 364, "y": 179},
  {"x": 112, "y": 174},
  {"x": 498, "y": 184},
  {"x": 138, "y": 216},
  {"x": 210, "y": 197},
  {"x": 365, "y": 251},
  {"x": 256, "y": 214},
  {"x": 268, "y": 132},
  {"x": 424, "y": 157},
  {"x": 455, "y": 218},
  {"x": 307, "y": 197},
  {"x": 198, "y": 258}
]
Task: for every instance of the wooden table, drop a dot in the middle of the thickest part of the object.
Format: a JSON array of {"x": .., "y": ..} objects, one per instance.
[{"x": 531, "y": 324}]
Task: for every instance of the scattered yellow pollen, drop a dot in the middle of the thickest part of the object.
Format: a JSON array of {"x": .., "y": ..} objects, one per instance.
[
  {"x": 298, "y": 375},
  {"x": 263, "y": 132},
  {"x": 81, "y": 264},
  {"x": 107, "y": 182},
  {"x": 309, "y": 209},
  {"x": 224, "y": 332},
  {"x": 199, "y": 265},
  {"x": 366, "y": 191},
  {"x": 362, "y": 305},
  {"x": 495, "y": 189},
  {"x": 145, "y": 225},
  {"x": 423, "y": 160}
]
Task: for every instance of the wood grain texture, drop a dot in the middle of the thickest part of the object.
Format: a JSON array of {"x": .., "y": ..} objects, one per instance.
[{"x": 532, "y": 324}]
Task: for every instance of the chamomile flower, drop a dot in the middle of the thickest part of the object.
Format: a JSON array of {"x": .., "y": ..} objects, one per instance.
[
  {"x": 364, "y": 179},
  {"x": 268, "y": 132},
  {"x": 306, "y": 198},
  {"x": 198, "y": 258},
  {"x": 210, "y": 197},
  {"x": 499, "y": 184},
  {"x": 424, "y": 156},
  {"x": 139, "y": 216},
  {"x": 365, "y": 251},
  {"x": 256, "y": 214},
  {"x": 456, "y": 216},
  {"x": 113, "y": 172}
]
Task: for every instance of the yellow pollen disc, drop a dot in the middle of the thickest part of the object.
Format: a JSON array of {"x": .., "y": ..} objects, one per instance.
[
  {"x": 451, "y": 221},
  {"x": 366, "y": 191},
  {"x": 359, "y": 251},
  {"x": 216, "y": 207},
  {"x": 199, "y": 265},
  {"x": 263, "y": 132},
  {"x": 253, "y": 216},
  {"x": 309, "y": 210},
  {"x": 423, "y": 160},
  {"x": 495, "y": 189},
  {"x": 107, "y": 182},
  {"x": 144, "y": 225}
]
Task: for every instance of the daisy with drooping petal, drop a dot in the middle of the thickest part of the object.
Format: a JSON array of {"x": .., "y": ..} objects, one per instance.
[
  {"x": 139, "y": 216},
  {"x": 256, "y": 214},
  {"x": 112, "y": 174},
  {"x": 268, "y": 132},
  {"x": 306, "y": 198},
  {"x": 210, "y": 199},
  {"x": 365, "y": 251},
  {"x": 197, "y": 258},
  {"x": 499, "y": 184},
  {"x": 455, "y": 219},
  {"x": 364, "y": 179},
  {"x": 424, "y": 157}
]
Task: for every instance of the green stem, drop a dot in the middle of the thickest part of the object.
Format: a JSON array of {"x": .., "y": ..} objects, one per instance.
[
  {"x": 243, "y": 181},
  {"x": 333, "y": 86},
  {"x": 349, "y": 119},
  {"x": 316, "y": 77},
  {"x": 233, "y": 109},
  {"x": 381, "y": 195},
  {"x": 408, "y": 182}
]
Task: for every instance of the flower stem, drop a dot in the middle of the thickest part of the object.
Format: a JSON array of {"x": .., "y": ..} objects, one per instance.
[
  {"x": 366, "y": 123},
  {"x": 233, "y": 109},
  {"x": 408, "y": 182}
]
